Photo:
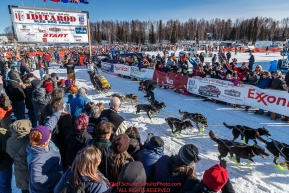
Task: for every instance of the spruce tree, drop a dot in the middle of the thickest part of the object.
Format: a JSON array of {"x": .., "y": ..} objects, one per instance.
[
  {"x": 152, "y": 37},
  {"x": 174, "y": 34}
]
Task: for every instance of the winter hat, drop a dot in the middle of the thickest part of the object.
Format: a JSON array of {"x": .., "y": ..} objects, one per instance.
[
  {"x": 244, "y": 63},
  {"x": 45, "y": 132},
  {"x": 120, "y": 143},
  {"x": 14, "y": 64},
  {"x": 157, "y": 141},
  {"x": 133, "y": 172},
  {"x": 62, "y": 82},
  {"x": 215, "y": 177},
  {"x": 68, "y": 82},
  {"x": 48, "y": 87},
  {"x": 189, "y": 154}
]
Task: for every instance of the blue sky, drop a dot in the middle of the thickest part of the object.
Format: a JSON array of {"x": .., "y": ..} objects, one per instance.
[{"x": 163, "y": 9}]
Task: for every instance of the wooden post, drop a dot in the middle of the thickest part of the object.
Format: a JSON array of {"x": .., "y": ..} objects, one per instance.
[
  {"x": 12, "y": 27},
  {"x": 273, "y": 116},
  {"x": 89, "y": 35}
]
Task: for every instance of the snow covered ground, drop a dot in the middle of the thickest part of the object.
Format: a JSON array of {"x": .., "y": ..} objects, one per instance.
[{"x": 260, "y": 177}]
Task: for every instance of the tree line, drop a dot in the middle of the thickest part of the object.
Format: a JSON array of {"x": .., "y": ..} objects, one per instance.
[{"x": 135, "y": 31}]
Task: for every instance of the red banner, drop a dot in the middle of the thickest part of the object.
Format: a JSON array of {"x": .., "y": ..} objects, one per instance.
[{"x": 171, "y": 80}]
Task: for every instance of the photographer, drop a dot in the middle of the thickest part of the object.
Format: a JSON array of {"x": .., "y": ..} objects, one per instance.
[{"x": 148, "y": 86}]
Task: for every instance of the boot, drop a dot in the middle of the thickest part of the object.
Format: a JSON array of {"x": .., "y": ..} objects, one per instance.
[{"x": 286, "y": 119}]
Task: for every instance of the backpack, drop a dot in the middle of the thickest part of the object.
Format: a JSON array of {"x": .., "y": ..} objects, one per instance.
[{"x": 70, "y": 188}]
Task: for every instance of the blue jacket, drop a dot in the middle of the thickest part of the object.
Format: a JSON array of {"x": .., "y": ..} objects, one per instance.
[
  {"x": 44, "y": 164},
  {"x": 77, "y": 105},
  {"x": 68, "y": 97},
  {"x": 263, "y": 83},
  {"x": 93, "y": 187},
  {"x": 148, "y": 157},
  {"x": 163, "y": 174}
]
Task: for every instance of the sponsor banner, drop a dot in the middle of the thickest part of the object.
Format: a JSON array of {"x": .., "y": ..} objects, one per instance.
[
  {"x": 107, "y": 67},
  {"x": 54, "y": 18},
  {"x": 143, "y": 73},
  {"x": 172, "y": 80},
  {"x": 121, "y": 69},
  {"x": 217, "y": 89},
  {"x": 266, "y": 99},
  {"x": 50, "y": 34}
]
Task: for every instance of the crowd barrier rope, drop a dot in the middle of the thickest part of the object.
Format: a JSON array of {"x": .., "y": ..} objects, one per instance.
[{"x": 248, "y": 95}]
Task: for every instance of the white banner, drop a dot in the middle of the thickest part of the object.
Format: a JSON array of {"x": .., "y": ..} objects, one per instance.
[
  {"x": 54, "y": 18},
  {"x": 266, "y": 99},
  {"x": 51, "y": 34},
  {"x": 217, "y": 89},
  {"x": 143, "y": 73},
  {"x": 121, "y": 69}
]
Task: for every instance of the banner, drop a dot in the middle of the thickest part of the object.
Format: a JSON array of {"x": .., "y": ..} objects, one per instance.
[
  {"x": 51, "y": 34},
  {"x": 43, "y": 17},
  {"x": 121, "y": 69},
  {"x": 143, "y": 73},
  {"x": 217, "y": 89},
  {"x": 107, "y": 67},
  {"x": 172, "y": 80},
  {"x": 266, "y": 99}
]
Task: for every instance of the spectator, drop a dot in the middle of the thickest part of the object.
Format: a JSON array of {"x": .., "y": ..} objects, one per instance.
[
  {"x": 71, "y": 94},
  {"x": 276, "y": 82},
  {"x": 41, "y": 67},
  {"x": 23, "y": 68},
  {"x": 101, "y": 141},
  {"x": 242, "y": 71},
  {"x": 214, "y": 59},
  {"x": 5, "y": 163},
  {"x": 251, "y": 78},
  {"x": 78, "y": 104},
  {"x": 118, "y": 156},
  {"x": 228, "y": 55},
  {"x": 84, "y": 173},
  {"x": 44, "y": 163},
  {"x": 5, "y": 111},
  {"x": 132, "y": 176},
  {"x": 17, "y": 96},
  {"x": 265, "y": 80},
  {"x": 177, "y": 168},
  {"x": 13, "y": 73},
  {"x": 198, "y": 71},
  {"x": 77, "y": 137},
  {"x": 258, "y": 70},
  {"x": 112, "y": 116},
  {"x": 135, "y": 142},
  {"x": 152, "y": 150},
  {"x": 95, "y": 112},
  {"x": 202, "y": 59},
  {"x": 70, "y": 69},
  {"x": 214, "y": 179},
  {"x": 251, "y": 61},
  {"x": 208, "y": 70},
  {"x": 16, "y": 148}
]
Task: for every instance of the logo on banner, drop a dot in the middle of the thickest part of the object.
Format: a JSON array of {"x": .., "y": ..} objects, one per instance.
[
  {"x": 30, "y": 36},
  {"x": 169, "y": 81},
  {"x": 78, "y": 40},
  {"x": 54, "y": 29},
  {"x": 20, "y": 16},
  {"x": 121, "y": 68},
  {"x": 77, "y": 36},
  {"x": 24, "y": 29},
  {"x": 81, "y": 30},
  {"x": 81, "y": 19},
  {"x": 266, "y": 99}
]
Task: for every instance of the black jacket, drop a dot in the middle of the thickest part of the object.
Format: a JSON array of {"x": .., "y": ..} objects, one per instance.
[
  {"x": 75, "y": 141},
  {"x": 24, "y": 69},
  {"x": 150, "y": 84},
  {"x": 5, "y": 160},
  {"x": 112, "y": 116},
  {"x": 15, "y": 91},
  {"x": 28, "y": 92},
  {"x": 252, "y": 59},
  {"x": 70, "y": 67},
  {"x": 39, "y": 100},
  {"x": 276, "y": 83}
]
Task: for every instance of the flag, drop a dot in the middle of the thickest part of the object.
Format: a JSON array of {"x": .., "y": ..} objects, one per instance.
[
  {"x": 84, "y": 1},
  {"x": 56, "y": 1},
  {"x": 74, "y": 1}
]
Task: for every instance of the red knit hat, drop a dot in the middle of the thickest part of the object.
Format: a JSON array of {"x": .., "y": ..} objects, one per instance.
[
  {"x": 215, "y": 177},
  {"x": 48, "y": 87}
]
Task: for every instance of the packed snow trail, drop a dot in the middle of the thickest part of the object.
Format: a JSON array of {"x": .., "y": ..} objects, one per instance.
[{"x": 261, "y": 176}]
